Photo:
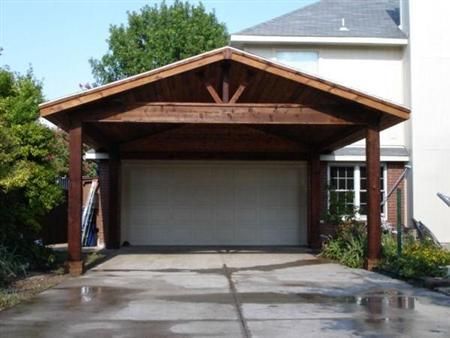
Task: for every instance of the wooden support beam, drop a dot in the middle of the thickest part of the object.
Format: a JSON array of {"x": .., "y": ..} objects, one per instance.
[
  {"x": 226, "y": 81},
  {"x": 314, "y": 196},
  {"x": 374, "y": 197},
  {"x": 237, "y": 94},
  {"x": 75, "y": 262},
  {"x": 238, "y": 156},
  {"x": 213, "y": 93},
  {"x": 94, "y": 136},
  {"x": 345, "y": 137},
  {"x": 162, "y": 112}
]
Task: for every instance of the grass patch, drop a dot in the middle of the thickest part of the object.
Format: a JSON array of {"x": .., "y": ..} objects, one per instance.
[{"x": 93, "y": 258}]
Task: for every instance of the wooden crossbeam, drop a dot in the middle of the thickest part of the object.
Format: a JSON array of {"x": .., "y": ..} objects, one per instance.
[
  {"x": 341, "y": 139},
  {"x": 225, "y": 113},
  {"x": 213, "y": 93},
  {"x": 237, "y": 94}
]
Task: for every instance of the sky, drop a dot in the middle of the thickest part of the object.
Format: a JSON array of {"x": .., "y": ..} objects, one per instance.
[{"x": 58, "y": 37}]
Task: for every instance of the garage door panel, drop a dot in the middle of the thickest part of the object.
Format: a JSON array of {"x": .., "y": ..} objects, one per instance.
[
  {"x": 223, "y": 217},
  {"x": 224, "y": 200},
  {"x": 204, "y": 218},
  {"x": 213, "y": 203},
  {"x": 247, "y": 217},
  {"x": 138, "y": 216},
  {"x": 158, "y": 215},
  {"x": 289, "y": 197},
  {"x": 139, "y": 234}
]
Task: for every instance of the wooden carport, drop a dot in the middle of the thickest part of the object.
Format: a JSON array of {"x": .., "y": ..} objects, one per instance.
[{"x": 223, "y": 104}]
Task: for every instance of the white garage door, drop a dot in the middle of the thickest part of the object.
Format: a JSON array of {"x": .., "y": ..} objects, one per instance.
[{"x": 213, "y": 203}]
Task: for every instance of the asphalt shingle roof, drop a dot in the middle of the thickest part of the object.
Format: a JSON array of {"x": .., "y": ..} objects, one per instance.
[
  {"x": 359, "y": 151},
  {"x": 363, "y": 18}
]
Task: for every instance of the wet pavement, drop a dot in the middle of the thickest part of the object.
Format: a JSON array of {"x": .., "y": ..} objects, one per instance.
[{"x": 229, "y": 294}]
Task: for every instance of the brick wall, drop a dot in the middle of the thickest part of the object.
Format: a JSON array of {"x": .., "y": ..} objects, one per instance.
[{"x": 394, "y": 170}]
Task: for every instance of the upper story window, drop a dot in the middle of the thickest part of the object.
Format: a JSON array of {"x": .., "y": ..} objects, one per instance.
[{"x": 301, "y": 60}]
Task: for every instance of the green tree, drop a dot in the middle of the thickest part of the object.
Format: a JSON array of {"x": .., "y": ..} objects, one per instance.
[
  {"x": 28, "y": 169},
  {"x": 156, "y": 36},
  {"x": 61, "y": 156}
]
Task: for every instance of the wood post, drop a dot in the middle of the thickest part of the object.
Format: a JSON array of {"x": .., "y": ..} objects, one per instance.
[
  {"x": 373, "y": 197},
  {"x": 314, "y": 197},
  {"x": 75, "y": 262},
  {"x": 226, "y": 82}
]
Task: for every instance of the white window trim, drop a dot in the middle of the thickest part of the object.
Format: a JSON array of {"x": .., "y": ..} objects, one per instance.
[{"x": 357, "y": 186}]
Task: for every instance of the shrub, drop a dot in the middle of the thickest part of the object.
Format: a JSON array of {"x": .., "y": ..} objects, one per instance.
[
  {"x": 340, "y": 209},
  {"x": 11, "y": 265},
  {"x": 349, "y": 245},
  {"x": 418, "y": 259},
  {"x": 30, "y": 162},
  {"x": 15, "y": 263}
]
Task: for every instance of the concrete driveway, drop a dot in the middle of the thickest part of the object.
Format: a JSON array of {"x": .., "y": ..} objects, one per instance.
[{"x": 228, "y": 294}]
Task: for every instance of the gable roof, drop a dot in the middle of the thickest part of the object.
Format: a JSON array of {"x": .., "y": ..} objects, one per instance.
[
  {"x": 313, "y": 111},
  {"x": 363, "y": 18},
  {"x": 78, "y": 100}
]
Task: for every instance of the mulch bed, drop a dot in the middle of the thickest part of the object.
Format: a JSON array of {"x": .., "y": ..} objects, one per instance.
[{"x": 26, "y": 288}]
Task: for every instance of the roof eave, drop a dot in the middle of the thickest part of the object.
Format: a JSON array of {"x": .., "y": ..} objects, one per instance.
[{"x": 239, "y": 39}]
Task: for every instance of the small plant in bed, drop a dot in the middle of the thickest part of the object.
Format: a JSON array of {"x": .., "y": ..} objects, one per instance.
[
  {"x": 419, "y": 259},
  {"x": 348, "y": 245}
]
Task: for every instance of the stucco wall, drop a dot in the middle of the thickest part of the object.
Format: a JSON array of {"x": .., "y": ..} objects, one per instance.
[
  {"x": 430, "y": 99},
  {"x": 378, "y": 71}
]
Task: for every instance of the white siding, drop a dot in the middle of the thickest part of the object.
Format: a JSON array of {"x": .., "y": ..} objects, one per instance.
[
  {"x": 430, "y": 77},
  {"x": 378, "y": 71}
]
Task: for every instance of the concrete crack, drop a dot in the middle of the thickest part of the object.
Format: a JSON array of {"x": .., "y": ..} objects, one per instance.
[{"x": 244, "y": 328}]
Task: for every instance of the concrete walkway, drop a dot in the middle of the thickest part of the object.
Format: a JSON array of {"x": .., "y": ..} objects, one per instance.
[{"x": 228, "y": 294}]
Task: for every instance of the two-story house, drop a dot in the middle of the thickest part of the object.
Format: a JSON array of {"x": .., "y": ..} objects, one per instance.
[{"x": 377, "y": 47}]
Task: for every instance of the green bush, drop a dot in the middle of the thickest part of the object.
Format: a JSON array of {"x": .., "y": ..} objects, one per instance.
[
  {"x": 418, "y": 259},
  {"x": 340, "y": 208},
  {"x": 31, "y": 159},
  {"x": 15, "y": 263},
  {"x": 349, "y": 245},
  {"x": 11, "y": 265}
]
